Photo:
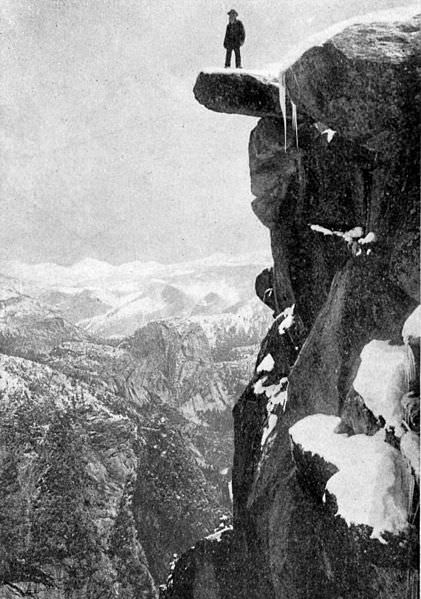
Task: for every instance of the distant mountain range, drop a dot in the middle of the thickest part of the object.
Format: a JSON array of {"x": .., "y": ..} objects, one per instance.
[{"x": 113, "y": 301}]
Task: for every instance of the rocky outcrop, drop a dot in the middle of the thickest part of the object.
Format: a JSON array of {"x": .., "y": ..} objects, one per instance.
[
  {"x": 213, "y": 567},
  {"x": 167, "y": 355},
  {"x": 361, "y": 82},
  {"x": 29, "y": 329},
  {"x": 340, "y": 286},
  {"x": 245, "y": 94}
]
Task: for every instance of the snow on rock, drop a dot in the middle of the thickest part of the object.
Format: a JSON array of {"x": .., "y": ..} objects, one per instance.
[
  {"x": 354, "y": 233},
  {"x": 330, "y": 133},
  {"x": 319, "y": 229},
  {"x": 266, "y": 75},
  {"x": 369, "y": 238},
  {"x": 266, "y": 365},
  {"x": 258, "y": 387},
  {"x": 348, "y": 236},
  {"x": 271, "y": 423},
  {"x": 288, "y": 319},
  {"x": 216, "y": 536},
  {"x": 277, "y": 395},
  {"x": 410, "y": 448},
  {"x": 383, "y": 377},
  {"x": 368, "y": 486},
  {"x": 412, "y": 327},
  {"x": 325, "y": 130}
]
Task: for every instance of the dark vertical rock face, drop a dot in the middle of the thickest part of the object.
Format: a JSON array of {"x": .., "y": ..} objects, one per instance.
[{"x": 363, "y": 85}]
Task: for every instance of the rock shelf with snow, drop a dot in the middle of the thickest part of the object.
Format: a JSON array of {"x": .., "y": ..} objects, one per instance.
[{"x": 326, "y": 463}]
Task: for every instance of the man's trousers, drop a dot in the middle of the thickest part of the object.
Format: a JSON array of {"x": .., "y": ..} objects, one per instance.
[{"x": 237, "y": 57}]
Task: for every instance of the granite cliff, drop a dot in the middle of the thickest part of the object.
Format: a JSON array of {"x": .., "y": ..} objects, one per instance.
[{"x": 325, "y": 474}]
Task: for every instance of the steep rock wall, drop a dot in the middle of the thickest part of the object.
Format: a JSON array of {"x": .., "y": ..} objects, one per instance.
[{"x": 356, "y": 165}]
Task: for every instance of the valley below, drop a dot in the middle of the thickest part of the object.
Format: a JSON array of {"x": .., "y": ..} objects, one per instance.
[{"x": 116, "y": 395}]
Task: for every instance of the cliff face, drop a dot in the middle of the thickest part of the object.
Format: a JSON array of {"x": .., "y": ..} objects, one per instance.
[{"x": 340, "y": 289}]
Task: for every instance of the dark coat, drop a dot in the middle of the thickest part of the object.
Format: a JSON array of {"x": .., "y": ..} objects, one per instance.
[{"x": 235, "y": 35}]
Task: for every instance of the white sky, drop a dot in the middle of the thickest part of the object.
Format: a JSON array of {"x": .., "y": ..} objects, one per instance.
[{"x": 105, "y": 152}]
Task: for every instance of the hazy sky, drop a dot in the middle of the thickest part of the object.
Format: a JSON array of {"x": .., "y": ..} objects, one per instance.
[{"x": 104, "y": 151}]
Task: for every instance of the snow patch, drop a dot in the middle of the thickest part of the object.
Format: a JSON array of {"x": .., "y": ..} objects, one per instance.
[
  {"x": 266, "y": 365},
  {"x": 271, "y": 423},
  {"x": 268, "y": 75},
  {"x": 272, "y": 392},
  {"x": 383, "y": 377},
  {"x": 325, "y": 130},
  {"x": 319, "y": 229},
  {"x": 368, "y": 486},
  {"x": 216, "y": 536},
  {"x": 230, "y": 491},
  {"x": 354, "y": 233},
  {"x": 258, "y": 387},
  {"x": 354, "y": 237},
  {"x": 348, "y": 236},
  {"x": 412, "y": 327},
  {"x": 369, "y": 238},
  {"x": 277, "y": 395},
  {"x": 330, "y": 133},
  {"x": 288, "y": 319}
]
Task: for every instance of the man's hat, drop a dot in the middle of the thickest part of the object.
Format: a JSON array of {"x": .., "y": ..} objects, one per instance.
[{"x": 232, "y": 12}]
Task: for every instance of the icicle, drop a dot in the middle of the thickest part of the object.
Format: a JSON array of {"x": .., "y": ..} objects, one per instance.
[
  {"x": 294, "y": 122},
  {"x": 283, "y": 103},
  {"x": 411, "y": 371}
]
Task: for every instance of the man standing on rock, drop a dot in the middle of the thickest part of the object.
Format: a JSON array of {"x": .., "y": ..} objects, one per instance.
[{"x": 234, "y": 38}]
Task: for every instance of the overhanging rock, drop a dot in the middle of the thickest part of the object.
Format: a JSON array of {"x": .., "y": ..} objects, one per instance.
[{"x": 238, "y": 92}]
